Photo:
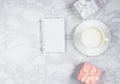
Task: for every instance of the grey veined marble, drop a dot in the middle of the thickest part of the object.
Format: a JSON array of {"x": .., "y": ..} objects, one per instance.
[{"x": 21, "y": 58}]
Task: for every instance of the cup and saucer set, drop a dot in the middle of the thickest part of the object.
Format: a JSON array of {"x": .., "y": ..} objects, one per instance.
[{"x": 92, "y": 37}]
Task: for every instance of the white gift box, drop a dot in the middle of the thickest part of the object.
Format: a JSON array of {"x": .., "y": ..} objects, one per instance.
[{"x": 86, "y": 7}]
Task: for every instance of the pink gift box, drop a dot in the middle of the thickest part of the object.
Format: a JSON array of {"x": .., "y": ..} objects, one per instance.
[{"x": 89, "y": 74}]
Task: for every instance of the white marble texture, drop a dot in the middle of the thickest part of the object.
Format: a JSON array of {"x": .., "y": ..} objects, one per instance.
[{"x": 21, "y": 58}]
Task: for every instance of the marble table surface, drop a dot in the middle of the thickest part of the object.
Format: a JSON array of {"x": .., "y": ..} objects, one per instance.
[{"x": 21, "y": 57}]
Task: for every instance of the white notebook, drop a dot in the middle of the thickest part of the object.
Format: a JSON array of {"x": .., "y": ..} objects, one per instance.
[{"x": 53, "y": 35}]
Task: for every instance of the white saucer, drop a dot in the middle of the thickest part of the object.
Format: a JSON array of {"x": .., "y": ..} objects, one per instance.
[{"x": 91, "y": 51}]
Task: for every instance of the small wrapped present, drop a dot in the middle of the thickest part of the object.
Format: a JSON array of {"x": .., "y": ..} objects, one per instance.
[
  {"x": 89, "y": 74},
  {"x": 86, "y": 7}
]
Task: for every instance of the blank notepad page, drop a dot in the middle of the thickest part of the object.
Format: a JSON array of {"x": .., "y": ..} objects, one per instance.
[{"x": 53, "y": 34}]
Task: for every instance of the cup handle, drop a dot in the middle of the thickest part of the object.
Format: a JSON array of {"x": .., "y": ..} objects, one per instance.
[{"x": 106, "y": 40}]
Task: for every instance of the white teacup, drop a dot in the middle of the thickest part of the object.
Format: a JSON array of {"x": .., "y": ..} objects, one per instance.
[{"x": 92, "y": 37}]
